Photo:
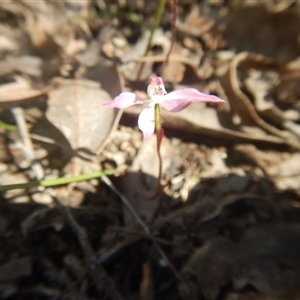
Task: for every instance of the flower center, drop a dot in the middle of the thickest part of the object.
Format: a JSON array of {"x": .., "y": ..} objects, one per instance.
[
  {"x": 156, "y": 90},
  {"x": 156, "y": 99}
]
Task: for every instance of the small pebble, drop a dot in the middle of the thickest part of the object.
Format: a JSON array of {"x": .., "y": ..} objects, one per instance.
[{"x": 42, "y": 198}]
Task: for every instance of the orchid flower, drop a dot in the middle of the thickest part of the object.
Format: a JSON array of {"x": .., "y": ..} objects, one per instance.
[{"x": 149, "y": 118}]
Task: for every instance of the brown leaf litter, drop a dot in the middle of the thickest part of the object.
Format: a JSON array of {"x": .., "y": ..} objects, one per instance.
[{"x": 226, "y": 224}]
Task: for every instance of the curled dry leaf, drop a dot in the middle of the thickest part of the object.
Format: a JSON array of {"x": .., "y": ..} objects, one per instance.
[{"x": 242, "y": 105}]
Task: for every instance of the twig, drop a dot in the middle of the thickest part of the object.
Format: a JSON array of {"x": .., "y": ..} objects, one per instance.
[
  {"x": 117, "y": 118},
  {"x": 28, "y": 148},
  {"x": 127, "y": 203},
  {"x": 96, "y": 272},
  {"x": 152, "y": 238},
  {"x": 89, "y": 254},
  {"x": 143, "y": 225},
  {"x": 113, "y": 128}
]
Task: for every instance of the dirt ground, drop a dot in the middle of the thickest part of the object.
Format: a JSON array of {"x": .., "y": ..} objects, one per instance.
[{"x": 225, "y": 220}]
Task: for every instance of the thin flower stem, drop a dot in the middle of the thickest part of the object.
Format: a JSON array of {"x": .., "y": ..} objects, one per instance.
[
  {"x": 159, "y": 136},
  {"x": 157, "y": 118}
]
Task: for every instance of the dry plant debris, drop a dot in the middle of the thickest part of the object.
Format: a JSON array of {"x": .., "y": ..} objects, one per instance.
[{"x": 227, "y": 224}]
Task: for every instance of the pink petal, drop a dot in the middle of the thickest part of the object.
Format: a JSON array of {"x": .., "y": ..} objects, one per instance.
[
  {"x": 179, "y": 100},
  {"x": 146, "y": 121},
  {"x": 124, "y": 100}
]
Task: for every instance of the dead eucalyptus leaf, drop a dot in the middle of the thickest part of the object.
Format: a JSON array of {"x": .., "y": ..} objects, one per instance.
[
  {"x": 242, "y": 105},
  {"x": 200, "y": 119},
  {"x": 75, "y": 108},
  {"x": 20, "y": 90},
  {"x": 31, "y": 65}
]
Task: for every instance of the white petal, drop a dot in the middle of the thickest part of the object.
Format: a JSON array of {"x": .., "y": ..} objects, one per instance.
[{"x": 146, "y": 121}]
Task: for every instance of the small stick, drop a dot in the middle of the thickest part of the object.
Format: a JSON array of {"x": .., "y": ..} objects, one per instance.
[
  {"x": 96, "y": 272},
  {"x": 127, "y": 203},
  {"x": 28, "y": 148},
  {"x": 143, "y": 225}
]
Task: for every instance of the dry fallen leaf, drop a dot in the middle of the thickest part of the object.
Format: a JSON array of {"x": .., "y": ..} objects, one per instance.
[
  {"x": 75, "y": 108},
  {"x": 31, "y": 65},
  {"x": 241, "y": 103},
  {"x": 266, "y": 259},
  {"x": 18, "y": 90},
  {"x": 200, "y": 119}
]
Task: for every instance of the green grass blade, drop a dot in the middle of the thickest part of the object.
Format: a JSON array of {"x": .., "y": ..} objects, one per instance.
[
  {"x": 8, "y": 126},
  {"x": 57, "y": 181},
  {"x": 158, "y": 16}
]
